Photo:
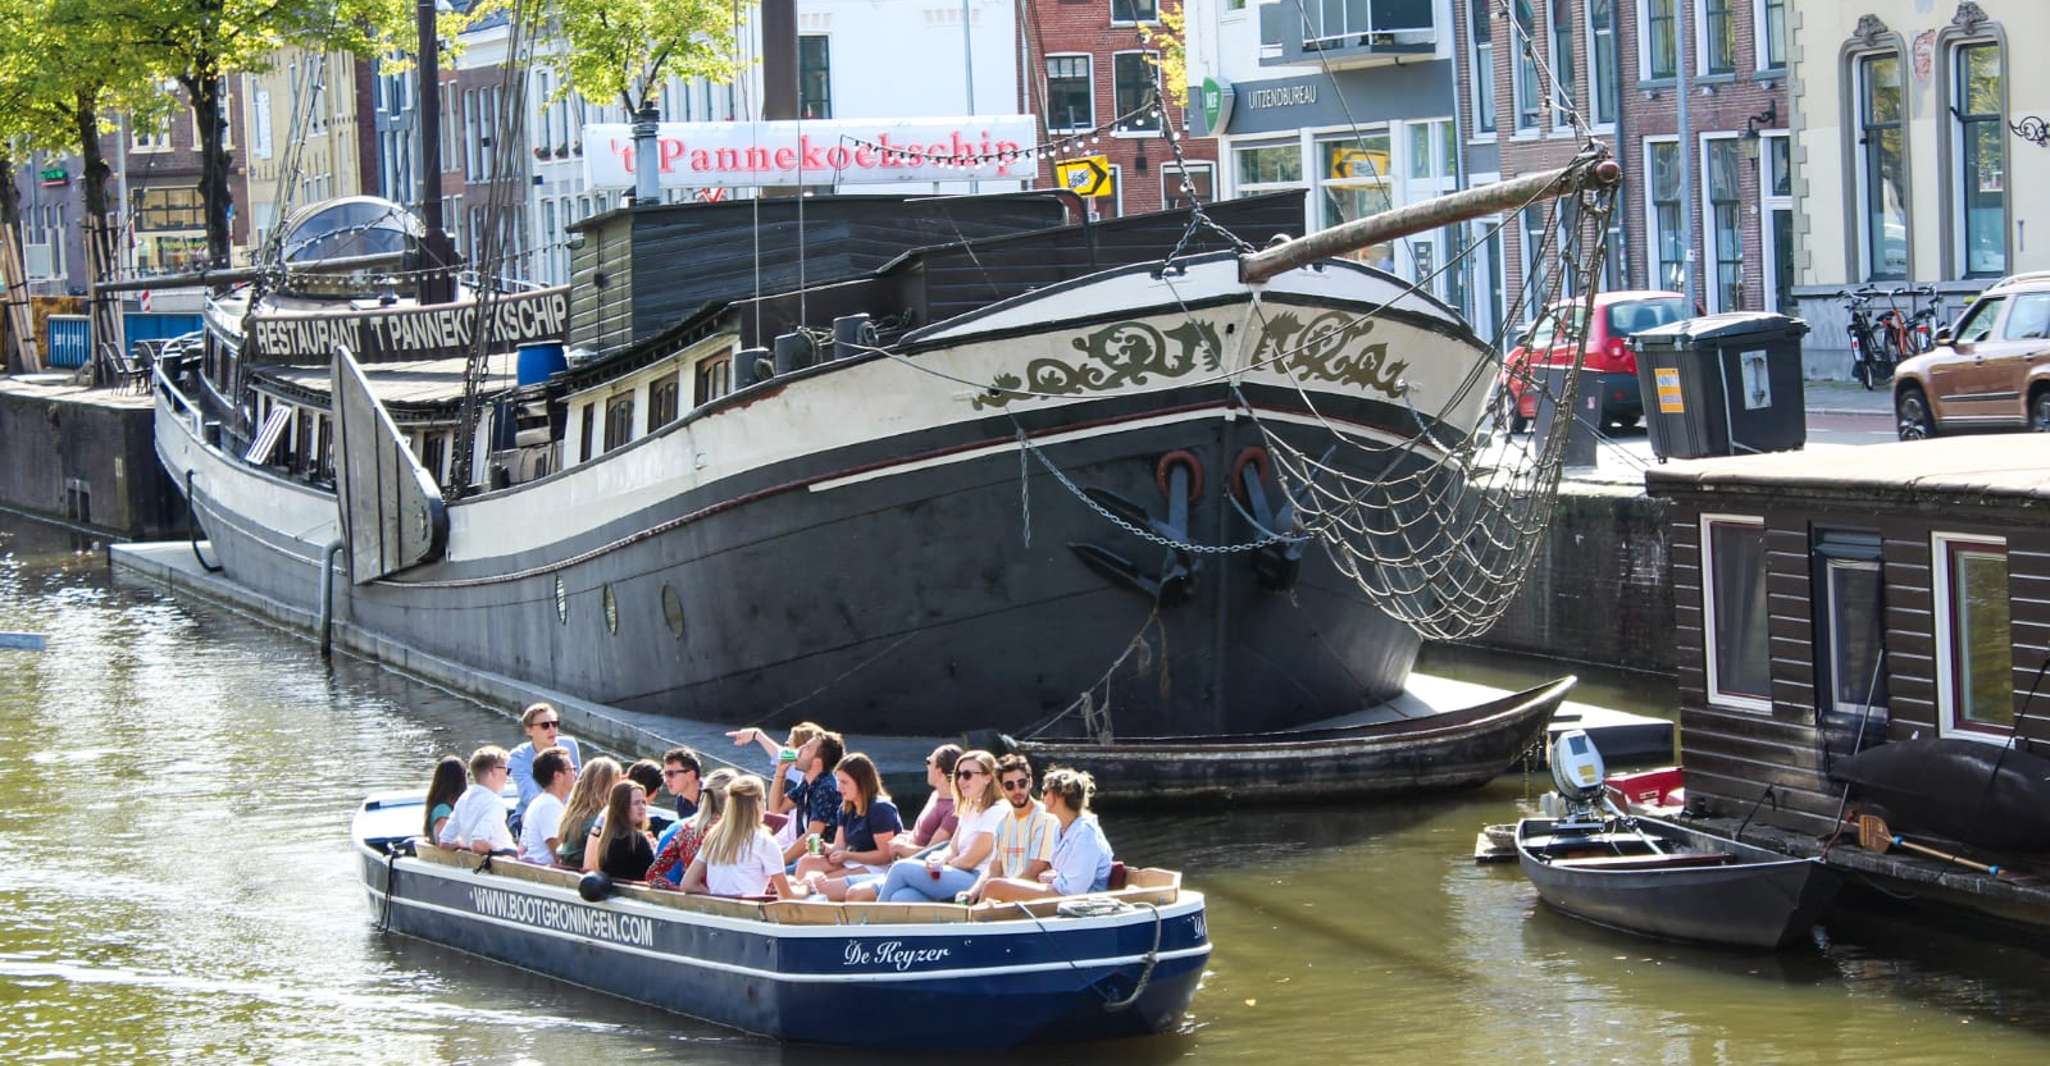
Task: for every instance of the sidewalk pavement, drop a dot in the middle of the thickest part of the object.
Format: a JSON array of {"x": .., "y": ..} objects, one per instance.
[{"x": 1847, "y": 398}]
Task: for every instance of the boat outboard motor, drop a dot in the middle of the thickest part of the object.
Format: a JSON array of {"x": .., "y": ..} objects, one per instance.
[
  {"x": 1577, "y": 773},
  {"x": 595, "y": 886},
  {"x": 795, "y": 351},
  {"x": 852, "y": 335},
  {"x": 752, "y": 366}
]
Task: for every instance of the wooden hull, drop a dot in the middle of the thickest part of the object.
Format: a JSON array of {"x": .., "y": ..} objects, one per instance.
[
  {"x": 1455, "y": 749},
  {"x": 1760, "y": 899}
]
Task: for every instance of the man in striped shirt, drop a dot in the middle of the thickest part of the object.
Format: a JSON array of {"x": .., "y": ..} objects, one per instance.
[{"x": 1025, "y": 839}]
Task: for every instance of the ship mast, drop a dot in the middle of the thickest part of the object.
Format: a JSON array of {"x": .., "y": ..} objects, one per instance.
[{"x": 437, "y": 251}]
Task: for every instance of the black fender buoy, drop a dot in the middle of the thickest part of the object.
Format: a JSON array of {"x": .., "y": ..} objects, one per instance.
[{"x": 595, "y": 886}]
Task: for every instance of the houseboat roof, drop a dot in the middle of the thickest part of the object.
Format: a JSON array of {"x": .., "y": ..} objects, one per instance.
[
  {"x": 423, "y": 383},
  {"x": 2013, "y": 465}
]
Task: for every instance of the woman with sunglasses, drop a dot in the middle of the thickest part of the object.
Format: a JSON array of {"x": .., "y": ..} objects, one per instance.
[
  {"x": 543, "y": 726},
  {"x": 936, "y": 821},
  {"x": 944, "y": 875}
]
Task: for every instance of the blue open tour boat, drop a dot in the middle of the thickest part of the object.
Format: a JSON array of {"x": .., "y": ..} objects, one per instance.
[{"x": 1119, "y": 963}]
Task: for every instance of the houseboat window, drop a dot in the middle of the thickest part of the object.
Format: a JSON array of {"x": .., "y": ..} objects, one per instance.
[
  {"x": 662, "y": 397},
  {"x": 434, "y": 454},
  {"x": 1975, "y": 648},
  {"x": 619, "y": 421},
  {"x": 302, "y": 453},
  {"x": 715, "y": 379},
  {"x": 584, "y": 431},
  {"x": 1857, "y": 606},
  {"x": 326, "y": 466},
  {"x": 1734, "y": 611}
]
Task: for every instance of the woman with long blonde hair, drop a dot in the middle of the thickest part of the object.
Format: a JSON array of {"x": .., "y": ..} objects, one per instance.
[
  {"x": 739, "y": 857},
  {"x": 681, "y": 845},
  {"x": 945, "y": 875},
  {"x": 580, "y": 813}
]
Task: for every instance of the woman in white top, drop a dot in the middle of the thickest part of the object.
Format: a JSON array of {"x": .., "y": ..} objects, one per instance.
[
  {"x": 740, "y": 858},
  {"x": 945, "y": 875}
]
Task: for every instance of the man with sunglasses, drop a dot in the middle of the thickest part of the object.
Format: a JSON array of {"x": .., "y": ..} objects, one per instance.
[
  {"x": 543, "y": 726},
  {"x": 1026, "y": 836},
  {"x": 681, "y": 774}
]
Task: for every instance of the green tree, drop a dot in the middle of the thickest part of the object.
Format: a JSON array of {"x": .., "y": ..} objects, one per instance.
[{"x": 624, "y": 49}]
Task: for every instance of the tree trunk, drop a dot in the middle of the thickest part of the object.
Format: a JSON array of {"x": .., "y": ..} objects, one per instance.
[
  {"x": 208, "y": 94},
  {"x": 100, "y": 245},
  {"x": 20, "y": 350}
]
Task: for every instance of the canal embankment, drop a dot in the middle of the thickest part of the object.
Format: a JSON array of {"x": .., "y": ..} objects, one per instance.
[{"x": 84, "y": 456}]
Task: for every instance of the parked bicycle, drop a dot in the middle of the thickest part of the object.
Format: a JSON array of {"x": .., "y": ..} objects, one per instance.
[
  {"x": 1904, "y": 336},
  {"x": 1870, "y": 362}
]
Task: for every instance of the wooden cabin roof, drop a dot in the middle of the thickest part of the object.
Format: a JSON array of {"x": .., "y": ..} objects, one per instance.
[
  {"x": 412, "y": 385},
  {"x": 2007, "y": 465}
]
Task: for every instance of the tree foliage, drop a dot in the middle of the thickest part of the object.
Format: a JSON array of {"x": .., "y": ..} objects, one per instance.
[
  {"x": 624, "y": 49},
  {"x": 1170, "y": 39}
]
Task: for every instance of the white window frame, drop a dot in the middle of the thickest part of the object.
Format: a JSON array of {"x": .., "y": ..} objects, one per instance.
[
  {"x": 1767, "y": 204},
  {"x": 1652, "y": 278},
  {"x": 1089, "y": 61},
  {"x": 1830, "y": 650},
  {"x": 1698, "y": 9},
  {"x": 1954, "y": 131},
  {"x": 1705, "y": 211},
  {"x": 1716, "y": 696},
  {"x": 1110, "y": 8},
  {"x": 1519, "y": 131},
  {"x": 1861, "y": 185},
  {"x": 1559, "y": 99},
  {"x": 1175, "y": 170},
  {"x": 1480, "y": 74},
  {"x": 1759, "y": 61},
  {"x": 1946, "y": 675},
  {"x": 1592, "y": 74},
  {"x": 1228, "y": 161},
  {"x": 1644, "y": 39}
]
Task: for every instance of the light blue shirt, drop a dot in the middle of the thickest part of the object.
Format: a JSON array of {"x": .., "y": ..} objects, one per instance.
[
  {"x": 521, "y": 765},
  {"x": 1081, "y": 858}
]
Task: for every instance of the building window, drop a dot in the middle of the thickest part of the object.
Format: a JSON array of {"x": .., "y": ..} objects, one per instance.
[
  {"x": 1605, "y": 97},
  {"x": 1667, "y": 239},
  {"x": 1070, "y": 93},
  {"x": 169, "y": 207},
  {"x": 1267, "y": 167},
  {"x": 1483, "y": 72},
  {"x": 714, "y": 379},
  {"x": 1353, "y": 182},
  {"x": 1974, "y": 644},
  {"x": 1178, "y": 187},
  {"x": 1662, "y": 38},
  {"x": 1982, "y": 159},
  {"x": 1882, "y": 179},
  {"x": 1126, "y": 12},
  {"x": 814, "y": 77},
  {"x": 585, "y": 428},
  {"x": 1777, "y": 211},
  {"x": 619, "y": 421},
  {"x": 1132, "y": 83},
  {"x": 1718, "y": 37},
  {"x": 1725, "y": 216},
  {"x": 662, "y": 402},
  {"x": 1733, "y": 611},
  {"x": 1772, "y": 44},
  {"x": 1525, "y": 42},
  {"x": 1561, "y": 18}
]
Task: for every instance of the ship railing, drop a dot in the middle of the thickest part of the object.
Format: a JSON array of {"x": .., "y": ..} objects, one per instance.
[
  {"x": 181, "y": 405},
  {"x": 1148, "y": 885}
]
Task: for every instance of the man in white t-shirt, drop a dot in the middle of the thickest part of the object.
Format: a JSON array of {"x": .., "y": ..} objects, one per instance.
[
  {"x": 541, "y": 831},
  {"x": 478, "y": 823}
]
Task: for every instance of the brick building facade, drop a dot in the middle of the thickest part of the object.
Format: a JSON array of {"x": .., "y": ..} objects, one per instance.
[
  {"x": 1618, "y": 63},
  {"x": 1089, "y": 67}
]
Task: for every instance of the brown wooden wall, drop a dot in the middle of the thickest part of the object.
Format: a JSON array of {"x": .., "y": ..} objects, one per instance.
[{"x": 1731, "y": 754}]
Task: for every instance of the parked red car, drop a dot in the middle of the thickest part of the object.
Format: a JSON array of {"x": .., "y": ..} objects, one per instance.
[{"x": 1617, "y": 315}]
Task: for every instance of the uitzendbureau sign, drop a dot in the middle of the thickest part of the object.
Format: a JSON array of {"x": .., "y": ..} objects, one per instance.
[
  {"x": 404, "y": 334},
  {"x": 824, "y": 152}
]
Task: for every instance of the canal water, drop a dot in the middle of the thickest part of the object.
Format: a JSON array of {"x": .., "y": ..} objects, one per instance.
[{"x": 176, "y": 783}]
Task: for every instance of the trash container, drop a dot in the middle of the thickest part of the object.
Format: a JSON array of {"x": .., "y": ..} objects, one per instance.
[
  {"x": 1727, "y": 384},
  {"x": 1552, "y": 417}
]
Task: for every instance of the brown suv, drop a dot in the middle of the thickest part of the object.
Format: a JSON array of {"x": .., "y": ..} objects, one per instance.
[{"x": 1990, "y": 371}]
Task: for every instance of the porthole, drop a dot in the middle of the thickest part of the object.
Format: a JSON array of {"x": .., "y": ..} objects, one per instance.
[
  {"x": 561, "y": 600},
  {"x": 672, "y": 611},
  {"x": 611, "y": 611}
]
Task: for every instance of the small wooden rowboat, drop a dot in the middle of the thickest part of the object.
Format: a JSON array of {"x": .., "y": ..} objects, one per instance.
[
  {"x": 1449, "y": 750},
  {"x": 1666, "y": 880}
]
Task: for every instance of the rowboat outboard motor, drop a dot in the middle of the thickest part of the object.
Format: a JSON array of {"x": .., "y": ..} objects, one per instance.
[{"x": 1577, "y": 773}]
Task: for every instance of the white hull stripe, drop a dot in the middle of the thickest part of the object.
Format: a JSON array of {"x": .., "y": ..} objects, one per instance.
[{"x": 807, "y": 978}]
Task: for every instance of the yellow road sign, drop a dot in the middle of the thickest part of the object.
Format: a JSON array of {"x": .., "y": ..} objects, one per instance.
[{"x": 1087, "y": 176}]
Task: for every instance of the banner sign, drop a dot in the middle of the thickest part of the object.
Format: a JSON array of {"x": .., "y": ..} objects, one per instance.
[
  {"x": 387, "y": 335},
  {"x": 877, "y": 151}
]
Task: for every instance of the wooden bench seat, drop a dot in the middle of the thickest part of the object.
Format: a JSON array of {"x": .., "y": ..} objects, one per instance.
[{"x": 1648, "y": 862}]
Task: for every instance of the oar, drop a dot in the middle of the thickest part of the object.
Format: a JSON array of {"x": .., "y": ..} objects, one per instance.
[
  {"x": 1874, "y": 836},
  {"x": 21, "y": 641}
]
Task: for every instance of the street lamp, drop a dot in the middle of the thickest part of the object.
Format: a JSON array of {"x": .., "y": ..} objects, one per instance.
[{"x": 1767, "y": 118}]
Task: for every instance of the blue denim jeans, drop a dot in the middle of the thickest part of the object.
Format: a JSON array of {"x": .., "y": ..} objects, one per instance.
[{"x": 908, "y": 882}]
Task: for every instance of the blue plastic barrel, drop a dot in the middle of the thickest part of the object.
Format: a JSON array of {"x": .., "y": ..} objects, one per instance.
[{"x": 540, "y": 359}]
